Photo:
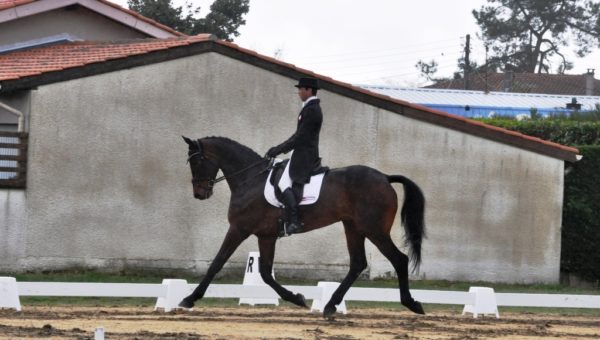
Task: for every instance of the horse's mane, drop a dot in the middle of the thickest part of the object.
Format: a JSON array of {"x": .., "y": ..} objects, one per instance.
[{"x": 235, "y": 145}]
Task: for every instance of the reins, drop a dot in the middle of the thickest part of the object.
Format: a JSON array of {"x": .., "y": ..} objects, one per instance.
[{"x": 212, "y": 182}]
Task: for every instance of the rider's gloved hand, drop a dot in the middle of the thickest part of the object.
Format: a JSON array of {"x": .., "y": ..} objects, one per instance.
[{"x": 273, "y": 152}]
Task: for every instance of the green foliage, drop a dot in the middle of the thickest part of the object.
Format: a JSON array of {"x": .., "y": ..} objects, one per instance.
[
  {"x": 224, "y": 19},
  {"x": 524, "y": 36},
  {"x": 579, "y": 130},
  {"x": 581, "y": 217}
]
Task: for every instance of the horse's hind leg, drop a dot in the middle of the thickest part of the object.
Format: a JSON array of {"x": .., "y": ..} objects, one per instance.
[
  {"x": 232, "y": 240},
  {"x": 358, "y": 263},
  {"x": 266, "y": 246},
  {"x": 400, "y": 262}
]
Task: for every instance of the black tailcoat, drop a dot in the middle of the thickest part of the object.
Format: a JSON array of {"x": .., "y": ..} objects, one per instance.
[{"x": 304, "y": 142}]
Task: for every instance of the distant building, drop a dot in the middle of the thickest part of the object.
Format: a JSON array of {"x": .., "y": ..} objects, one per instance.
[
  {"x": 559, "y": 84},
  {"x": 477, "y": 104},
  {"x": 25, "y": 24}
]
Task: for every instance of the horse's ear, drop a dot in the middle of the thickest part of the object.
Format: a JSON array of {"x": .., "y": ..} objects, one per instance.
[{"x": 188, "y": 141}]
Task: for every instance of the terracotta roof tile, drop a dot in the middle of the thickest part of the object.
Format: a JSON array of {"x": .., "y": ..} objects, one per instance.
[
  {"x": 13, "y": 3},
  {"x": 5, "y": 4},
  {"x": 74, "y": 54}
]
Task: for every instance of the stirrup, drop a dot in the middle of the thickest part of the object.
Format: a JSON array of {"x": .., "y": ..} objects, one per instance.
[{"x": 288, "y": 229}]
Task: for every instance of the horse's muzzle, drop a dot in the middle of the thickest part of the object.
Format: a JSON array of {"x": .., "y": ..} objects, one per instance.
[{"x": 202, "y": 194}]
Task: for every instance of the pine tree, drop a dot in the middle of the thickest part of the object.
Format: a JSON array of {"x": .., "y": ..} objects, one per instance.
[
  {"x": 528, "y": 35},
  {"x": 224, "y": 19}
]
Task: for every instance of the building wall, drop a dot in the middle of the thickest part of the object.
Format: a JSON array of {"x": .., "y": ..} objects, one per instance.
[
  {"x": 108, "y": 185},
  {"x": 77, "y": 21},
  {"x": 12, "y": 228}
]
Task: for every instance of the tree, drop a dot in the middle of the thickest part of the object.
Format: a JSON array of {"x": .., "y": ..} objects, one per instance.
[
  {"x": 527, "y": 35},
  {"x": 427, "y": 69},
  {"x": 224, "y": 19}
]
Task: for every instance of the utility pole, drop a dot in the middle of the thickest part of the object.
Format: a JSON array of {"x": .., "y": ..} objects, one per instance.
[{"x": 467, "y": 70}]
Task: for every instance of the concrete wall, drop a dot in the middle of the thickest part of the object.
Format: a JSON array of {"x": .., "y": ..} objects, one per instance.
[
  {"x": 108, "y": 185},
  {"x": 12, "y": 228},
  {"x": 77, "y": 21}
]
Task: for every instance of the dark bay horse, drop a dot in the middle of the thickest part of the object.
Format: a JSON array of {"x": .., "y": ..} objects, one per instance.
[{"x": 359, "y": 196}]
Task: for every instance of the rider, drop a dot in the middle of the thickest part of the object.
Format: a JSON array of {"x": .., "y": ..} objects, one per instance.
[{"x": 305, "y": 157}]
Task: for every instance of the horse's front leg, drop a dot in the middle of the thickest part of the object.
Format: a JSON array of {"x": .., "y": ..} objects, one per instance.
[
  {"x": 266, "y": 245},
  {"x": 232, "y": 240}
]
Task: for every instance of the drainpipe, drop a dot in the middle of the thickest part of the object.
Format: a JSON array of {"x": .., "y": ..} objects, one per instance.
[{"x": 15, "y": 112}]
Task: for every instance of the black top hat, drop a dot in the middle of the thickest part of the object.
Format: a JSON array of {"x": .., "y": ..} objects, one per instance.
[{"x": 310, "y": 83}]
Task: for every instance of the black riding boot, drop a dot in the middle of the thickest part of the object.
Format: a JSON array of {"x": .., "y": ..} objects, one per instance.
[{"x": 292, "y": 224}]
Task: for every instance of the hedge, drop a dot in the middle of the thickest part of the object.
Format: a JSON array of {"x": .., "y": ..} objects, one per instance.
[
  {"x": 580, "y": 253},
  {"x": 566, "y": 132}
]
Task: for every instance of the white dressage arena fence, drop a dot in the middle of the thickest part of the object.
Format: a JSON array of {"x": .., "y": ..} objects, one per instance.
[{"x": 170, "y": 292}]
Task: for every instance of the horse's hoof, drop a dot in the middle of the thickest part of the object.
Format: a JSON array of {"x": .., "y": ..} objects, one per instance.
[
  {"x": 186, "y": 303},
  {"x": 415, "y": 307},
  {"x": 299, "y": 300},
  {"x": 329, "y": 312}
]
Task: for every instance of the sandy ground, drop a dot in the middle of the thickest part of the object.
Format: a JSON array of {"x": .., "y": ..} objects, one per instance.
[{"x": 67, "y": 322}]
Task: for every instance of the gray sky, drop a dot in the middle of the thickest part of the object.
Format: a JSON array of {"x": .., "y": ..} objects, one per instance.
[{"x": 366, "y": 42}]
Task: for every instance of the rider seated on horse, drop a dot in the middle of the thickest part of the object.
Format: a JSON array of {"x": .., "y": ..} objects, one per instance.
[{"x": 305, "y": 156}]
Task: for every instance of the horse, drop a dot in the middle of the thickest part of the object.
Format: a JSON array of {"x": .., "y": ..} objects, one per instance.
[{"x": 362, "y": 198}]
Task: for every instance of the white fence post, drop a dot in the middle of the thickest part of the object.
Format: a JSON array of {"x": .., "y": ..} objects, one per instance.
[
  {"x": 252, "y": 278},
  {"x": 9, "y": 295},
  {"x": 328, "y": 288},
  {"x": 176, "y": 291},
  {"x": 485, "y": 302}
]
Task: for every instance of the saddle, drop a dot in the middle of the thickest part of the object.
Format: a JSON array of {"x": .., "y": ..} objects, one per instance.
[{"x": 279, "y": 180}]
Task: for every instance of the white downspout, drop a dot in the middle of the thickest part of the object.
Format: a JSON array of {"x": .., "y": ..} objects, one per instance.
[{"x": 15, "y": 112}]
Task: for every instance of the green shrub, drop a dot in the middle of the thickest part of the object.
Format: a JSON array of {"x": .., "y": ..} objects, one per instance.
[
  {"x": 566, "y": 132},
  {"x": 580, "y": 253}
]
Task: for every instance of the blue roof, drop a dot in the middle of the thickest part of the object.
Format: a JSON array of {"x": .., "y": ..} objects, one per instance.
[{"x": 482, "y": 104}]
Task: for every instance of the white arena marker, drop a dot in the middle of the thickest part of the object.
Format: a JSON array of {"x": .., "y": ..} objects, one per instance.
[
  {"x": 99, "y": 333},
  {"x": 252, "y": 278},
  {"x": 176, "y": 291},
  {"x": 327, "y": 290},
  {"x": 9, "y": 295},
  {"x": 485, "y": 302}
]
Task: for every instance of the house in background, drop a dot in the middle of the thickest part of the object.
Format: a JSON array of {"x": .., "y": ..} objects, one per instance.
[
  {"x": 25, "y": 24},
  {"x": 554, "y": 84},
  {"x": 478, "y": 104}
]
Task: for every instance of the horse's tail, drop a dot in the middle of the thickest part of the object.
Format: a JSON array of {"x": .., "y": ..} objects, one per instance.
[{"x": 412, "y": 215}]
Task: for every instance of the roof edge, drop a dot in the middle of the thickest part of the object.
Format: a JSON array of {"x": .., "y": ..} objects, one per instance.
[
  {"x": 207, "y": 43},
  {"x": 405, "y": 108},
  {"x": 105, "y": 8}
]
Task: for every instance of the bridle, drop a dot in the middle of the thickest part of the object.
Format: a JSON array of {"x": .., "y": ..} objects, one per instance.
[{"x": 213, "y": 181}]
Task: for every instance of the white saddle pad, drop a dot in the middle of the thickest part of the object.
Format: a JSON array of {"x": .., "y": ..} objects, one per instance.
[{"x": 310, "y": 193}]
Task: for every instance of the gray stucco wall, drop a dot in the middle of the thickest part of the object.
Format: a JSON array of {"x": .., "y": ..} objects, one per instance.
[
  {"x": 79, "y": 22},
  {"x": 108, "y": 185},
  {"x": 12, "y": 228}
]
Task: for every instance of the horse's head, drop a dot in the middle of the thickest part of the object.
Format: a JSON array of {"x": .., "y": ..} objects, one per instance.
[{"x": 203, "y": 169}]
